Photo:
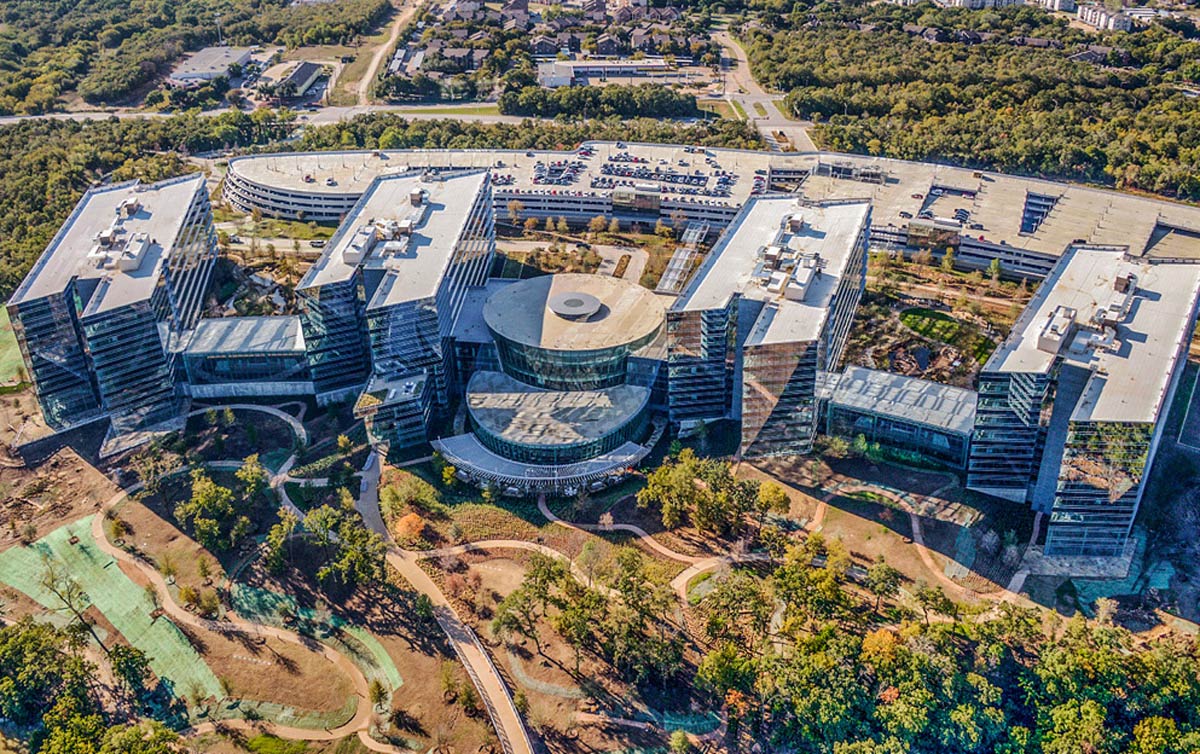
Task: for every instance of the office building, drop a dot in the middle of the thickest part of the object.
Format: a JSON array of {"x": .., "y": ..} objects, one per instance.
[
  {"x": 565, "y": 411},
  {"x": 1071, "y": 405},
  {"x": 765, "y": 317},
  {"x": 209, "y": 64},
  {"x": 915, "y": 420},
  {"x": 379, "y": 306},
  {"x": 102, "y": 317}
]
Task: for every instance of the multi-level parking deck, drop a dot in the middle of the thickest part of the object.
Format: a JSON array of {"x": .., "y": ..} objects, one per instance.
[{"x": 1026, "y": 223}]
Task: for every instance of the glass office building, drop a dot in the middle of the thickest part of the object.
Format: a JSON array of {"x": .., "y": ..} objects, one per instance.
[
  {"x": 570, "y": 408},
  {"x": 1071, "y": 404},
  {"x": 107, "y": 308},
  {"x": 765, "y": 318},
  {"x": 378, "y": 308}
]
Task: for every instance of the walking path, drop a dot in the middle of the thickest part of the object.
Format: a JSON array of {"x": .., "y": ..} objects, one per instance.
[
  {"x": 358, "y": 725},
  {"x": 381, "y": 53},
  {"x": 292, "y": 421}
]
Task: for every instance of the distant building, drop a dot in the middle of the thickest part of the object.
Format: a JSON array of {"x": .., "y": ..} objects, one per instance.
[
  {"x": 1101, "y": 18},
  {"x": 208, "y": 64},
  {"x": 1066, "y": 6},
  {"x": 290, "y": 80},
  {"x": 983, "y": 4},
  {"x": 556, "y": 73},
  {"x": 102, "y": 316},
  {"x": 608, "y": 45}
]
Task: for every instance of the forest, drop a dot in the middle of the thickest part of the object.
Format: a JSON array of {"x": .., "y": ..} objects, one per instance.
[
  {"x": 106, "y": 50},
  {"x": 581, "y": 102},
  {"x": 996, "y": 104},
  {"x": 48, "y": 164}
]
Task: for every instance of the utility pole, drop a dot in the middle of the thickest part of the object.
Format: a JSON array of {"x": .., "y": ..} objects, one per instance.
[{"x": 220, "y": 36}]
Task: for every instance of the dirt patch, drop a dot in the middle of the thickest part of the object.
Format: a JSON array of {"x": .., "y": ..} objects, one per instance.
[
  {"x": 423, "y": 717},
  {"x": 265, "y": 668},
  {"x": 223, "y": 434},
  {"x": 35, "y": 501},
  {"x": 562, "y": 699}
]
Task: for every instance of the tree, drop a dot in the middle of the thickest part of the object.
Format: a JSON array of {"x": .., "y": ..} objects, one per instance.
[
  {"x": 131, "y": 667},
  {"x": 549, "y": 224},
  {"x": 376, "y": 693},
  {"x": 517, "y": 614},
  {"x": 344, "y": 445},
  {"x": 562, "y": 226},
  {"x": 882, "y": 580},
  {"x": 253, "y": 477},
  {"x": 614, "y": 226},
  {"x": 448, "y": 476},
  {"x": 947, "y": 263},
  {"x": 771, "y": 498},
  {"x": 597, "y": 224},
  {"x": 531, "y": 224},
  {"x": 143, "y": 737},
  {"x": 679, "y": 742},
  {"x": 516, "y": 208},
  {"x": 278, "y": 541},
  {"x": 70, "y": 595},
  {"x": 994, "y": 270}
]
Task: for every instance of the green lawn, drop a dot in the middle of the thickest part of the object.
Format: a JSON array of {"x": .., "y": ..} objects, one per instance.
[
  {"x": 942, "y": 327},
  {"x": 11, "y": 366},
  {"x": 718, "y": 107},
  {"x": 741, "y": 111},
  {"x": 479, "y": 109},
  {"x": 761, "y": 109}
]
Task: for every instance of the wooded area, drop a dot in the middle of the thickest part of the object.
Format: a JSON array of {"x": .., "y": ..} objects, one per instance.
[
  {"x": 999, "y": 103},
  {"x": 579, "y": 102},
  {"x": 107, "y": 49}
]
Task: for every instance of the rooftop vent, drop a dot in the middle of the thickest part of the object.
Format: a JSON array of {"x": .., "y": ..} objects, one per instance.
[
  {"x": 1057, "y": 329},
  {"x": 416, "y": 197},
  {"x": 128, "y": 207},
  {"x": 1125, "y": 283},
  {"x": 362, "y": 243}
]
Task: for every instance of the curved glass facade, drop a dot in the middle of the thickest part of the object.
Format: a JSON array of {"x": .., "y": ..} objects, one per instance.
[
  {"x": 563, "y": 453},
  {"x": 566, "y": 370}
]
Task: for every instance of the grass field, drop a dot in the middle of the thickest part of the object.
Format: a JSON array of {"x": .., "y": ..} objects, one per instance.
[
  {"x": 123, "y": 603},
  {"x": 718, "y": 107},
  {"x": 11, "y": 366},
  {"x": 476, "y": 109},
  {"x": 761, "y": 109},
  {"x": 741, "y": 111},
  {"x": 942, "y": 327}
]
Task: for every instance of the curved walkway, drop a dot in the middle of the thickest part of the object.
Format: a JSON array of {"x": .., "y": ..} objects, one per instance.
[
  {"x": 295, "y": 424},
  {"x": 637, "y": 531},
  {"x": 359, "y": 724}
]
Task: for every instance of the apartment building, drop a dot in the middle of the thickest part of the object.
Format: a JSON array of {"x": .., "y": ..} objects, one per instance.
[{"x": 1101, "y": 18}]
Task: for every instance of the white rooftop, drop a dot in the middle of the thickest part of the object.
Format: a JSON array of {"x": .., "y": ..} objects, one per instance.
[
  {"x": 210, "y": 62},
  {"x": 411, "y": 244},
  {"x": 239, "y": 335},
  {"x": 818, "y": 239},
  {"x": 907, "y": 398},
  {"x": 115, "y": 241},
  {"x": 995, "y": 201},
  {"x": 1129, "y": 333}
]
